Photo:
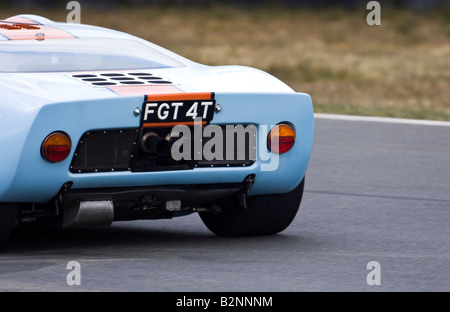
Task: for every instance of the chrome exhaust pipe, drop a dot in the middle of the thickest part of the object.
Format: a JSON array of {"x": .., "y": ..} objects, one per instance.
[{"x": 86, "y": 214}]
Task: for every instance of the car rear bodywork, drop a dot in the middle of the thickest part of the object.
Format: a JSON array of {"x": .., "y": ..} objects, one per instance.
[{"x": 106, "y": 177}]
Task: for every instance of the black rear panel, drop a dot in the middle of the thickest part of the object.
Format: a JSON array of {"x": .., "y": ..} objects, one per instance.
[
  {"x": 122, "y": 150},
  {"x": 106, "y": 150}
]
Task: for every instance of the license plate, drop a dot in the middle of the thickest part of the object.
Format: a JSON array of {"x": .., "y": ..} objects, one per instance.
[{"x": 179, "y": 108}]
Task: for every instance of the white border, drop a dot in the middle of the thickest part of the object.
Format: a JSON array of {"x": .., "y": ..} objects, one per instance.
[{"x": 383, "y": 120}]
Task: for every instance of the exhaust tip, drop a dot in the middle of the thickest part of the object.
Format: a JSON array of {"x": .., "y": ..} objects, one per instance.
[
  {"x": 153, "y": 144},
  {"x": 88, "y": 214}
]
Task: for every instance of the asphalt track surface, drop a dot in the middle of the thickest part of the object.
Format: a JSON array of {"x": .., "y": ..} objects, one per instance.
[{"x": 375, "y": 191}]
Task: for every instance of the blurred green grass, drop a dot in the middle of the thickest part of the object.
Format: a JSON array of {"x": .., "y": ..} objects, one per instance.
[{"x": 398, "y": 69}]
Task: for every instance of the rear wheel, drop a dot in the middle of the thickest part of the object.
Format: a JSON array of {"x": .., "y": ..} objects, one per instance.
[
  {"x": 8, "y": 217},
  {"x": 264, "y": 215}
]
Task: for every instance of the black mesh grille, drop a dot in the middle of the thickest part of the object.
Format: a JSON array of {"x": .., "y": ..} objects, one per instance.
[
  {"x": 238, "y": 148},
  {"x": 100, "y": 151}
]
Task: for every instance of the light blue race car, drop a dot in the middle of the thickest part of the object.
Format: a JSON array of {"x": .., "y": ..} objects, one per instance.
[{"x": 99, "y": 126}]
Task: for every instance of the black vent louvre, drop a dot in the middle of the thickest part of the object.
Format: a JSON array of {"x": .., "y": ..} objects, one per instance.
[
  {"x": 100, "y": 151},
  {"x": 120, "y": 79}
]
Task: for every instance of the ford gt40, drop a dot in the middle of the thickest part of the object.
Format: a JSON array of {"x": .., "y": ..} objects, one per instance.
[{"x": 98, "y": 126}]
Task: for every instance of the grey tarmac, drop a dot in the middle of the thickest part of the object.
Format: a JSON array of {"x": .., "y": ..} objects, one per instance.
[{"x": 374, "y": 192}]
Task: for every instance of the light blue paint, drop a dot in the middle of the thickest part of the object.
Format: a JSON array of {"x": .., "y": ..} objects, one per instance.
[{"x": 26, "y": 177}]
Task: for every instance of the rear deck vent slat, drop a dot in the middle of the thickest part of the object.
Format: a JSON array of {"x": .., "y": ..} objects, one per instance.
[{"x": 120, "y": 79}]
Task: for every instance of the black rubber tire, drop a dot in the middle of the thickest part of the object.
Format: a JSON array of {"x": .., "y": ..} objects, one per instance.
[
  {"x": 8, "y": 217},
  {"x": 265, "y": 215}
]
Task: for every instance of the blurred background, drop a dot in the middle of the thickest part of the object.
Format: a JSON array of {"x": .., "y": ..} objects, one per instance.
[{"x": 325, "y": 48}]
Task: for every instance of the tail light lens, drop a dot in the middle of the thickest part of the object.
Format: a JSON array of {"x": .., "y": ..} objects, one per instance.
[
  {"x": 281, "y": 138},
  {"x": 56, "y": 147}
]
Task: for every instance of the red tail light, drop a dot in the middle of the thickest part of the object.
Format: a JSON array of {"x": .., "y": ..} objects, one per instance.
[
  {"x": 56, "y": 147},
  {"x": 281, "y": 138}
]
